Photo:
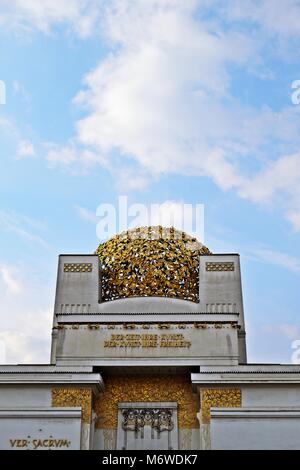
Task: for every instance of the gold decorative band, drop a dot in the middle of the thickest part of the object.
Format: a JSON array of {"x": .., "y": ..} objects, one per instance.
[
  {"x": 220, "y": 266},
  {"x": 73, "y": 397},
  {"x": 78, "y": 267},
  {"x": 219, "y": 398}
]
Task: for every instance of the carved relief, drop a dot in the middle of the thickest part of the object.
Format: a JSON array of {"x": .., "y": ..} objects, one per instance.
[
  {"x": 185, "y": 439},
  {"x": 148, "y": 388},
  {"x": 160, "y": 419},
  {"x": 219, "y": 398},
  {"x": 109, "y": 438},
  {"x": 72, "y": 397}
]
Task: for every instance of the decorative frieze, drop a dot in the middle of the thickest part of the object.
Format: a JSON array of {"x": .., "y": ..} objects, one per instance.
[
  {"x": 78, "y": 267},
  {"x": 148, "y": 326},
  {"x": 219, "y": 266}
]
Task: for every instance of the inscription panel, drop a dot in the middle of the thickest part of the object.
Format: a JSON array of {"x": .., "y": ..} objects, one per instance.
[
  {"x": 132, "y": 341},
  {"x": 40, "y": 430},
  {"x": 147, "y": 341}
]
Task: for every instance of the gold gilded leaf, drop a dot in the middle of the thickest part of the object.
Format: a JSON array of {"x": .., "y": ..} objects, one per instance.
[{"x": 150, "y": 261}]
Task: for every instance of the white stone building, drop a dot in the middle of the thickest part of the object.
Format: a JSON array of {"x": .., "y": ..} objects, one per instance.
[{"x": 149, "y": 352}]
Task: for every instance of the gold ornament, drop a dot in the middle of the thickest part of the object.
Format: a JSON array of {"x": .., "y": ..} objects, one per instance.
[
  {"x": 78, "y": 267},
  {"x": 219, "y": 398},
  {"x": 150, "y": 261},
  {"x": 147, "y": 388},
  {"x": 73, "y": 397},
  {"x": 220, "y": 266}
]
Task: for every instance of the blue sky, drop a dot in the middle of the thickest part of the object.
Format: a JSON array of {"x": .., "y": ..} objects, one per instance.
[{"x": 178, "y": 101}]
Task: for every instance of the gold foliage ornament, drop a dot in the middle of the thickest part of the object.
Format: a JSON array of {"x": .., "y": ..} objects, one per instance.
[
  {"x": 150, "y": 261},
  {"x": 147, "y": 388},
  {"x": 73, "y": 397},
  {"x": 219, "y": 398}
]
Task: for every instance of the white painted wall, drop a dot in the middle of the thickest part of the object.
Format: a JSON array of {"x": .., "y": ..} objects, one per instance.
[
  {"x": 24, "y": 396},
  {"x": 253, "y": 428},
  {"x": 40, "y": 429}
]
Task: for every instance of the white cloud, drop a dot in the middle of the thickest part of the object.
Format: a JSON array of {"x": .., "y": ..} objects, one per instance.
[
  {"x": 162, "y": 98},
  {"x": 29, "y": 342},
  {"x": 278, "y": 258},
  {"x": 77, "y": 160},
  {"x": 26, "y": 319},
  {"x": 271, "y": 343},
  {"x": 62, "y": 155},
  {"x": 10, "y": 279},
  {"x": 27, "y": 15},
  {"x": 278, "y": 182},
  {"x": 290, "y": 331},
  {"x": 85, "y": 16},
  {"x": 276, "y": 16},
  {"x": 25, "y": 149},
  {"x": 86, "y": 214},
  {"x": 22, "y": 226},
  {"x": 265, "y": 254},
  {"x": 294, "y": 217},
  {"x": 157, "y": 98},
  {"x": 130, "y": 179}
]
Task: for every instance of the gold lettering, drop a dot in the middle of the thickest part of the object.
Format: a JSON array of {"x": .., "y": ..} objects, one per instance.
[
  {"x": 37, "y": 443},
  {"x": 13, "y": 442},
  {"x": 147, "y": 341}
]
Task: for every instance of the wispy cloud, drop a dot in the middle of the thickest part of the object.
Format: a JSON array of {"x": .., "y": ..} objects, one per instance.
[
  {"x": 80, "y": 16},
  {"x": 272, "y": 342},
  {"x": 274, "y": 16},
  {"x": 261, "y": 254},
  {"x": 163, "y": 99},
  {"x": 22, "y": 226},
  {"x": 25, "y": 149},
  {"x": 278, "y": 258},
  {"x": 10, "y": 280},
  {"x": 26, "y": 331},
  {"x": 287, "y": 330},
  {"x": 87, "y": 214},
  {"x": 278, "y": 182}
]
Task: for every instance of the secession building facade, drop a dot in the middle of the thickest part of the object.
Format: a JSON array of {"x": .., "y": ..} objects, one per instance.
[{"x": 149, "y": 352}]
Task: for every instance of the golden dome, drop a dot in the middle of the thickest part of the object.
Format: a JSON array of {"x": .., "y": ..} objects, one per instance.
[{"x": 150, "y": 261}]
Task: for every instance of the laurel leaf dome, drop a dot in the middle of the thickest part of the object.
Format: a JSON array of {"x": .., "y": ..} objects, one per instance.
[{"x": 150, "y": 261}]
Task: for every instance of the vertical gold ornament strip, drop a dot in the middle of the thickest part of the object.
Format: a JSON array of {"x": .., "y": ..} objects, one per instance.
[
  {"x": 219, "y": 398},
  {"x": 74, "y": 397}
]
